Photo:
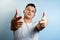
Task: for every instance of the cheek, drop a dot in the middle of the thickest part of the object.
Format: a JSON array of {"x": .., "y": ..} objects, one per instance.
[
  {"x": 33, "y": 14},
  {"x": 26, "y": 11}
]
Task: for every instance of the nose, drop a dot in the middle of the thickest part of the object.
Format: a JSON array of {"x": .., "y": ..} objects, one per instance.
[{"x": 29, "y": 11}]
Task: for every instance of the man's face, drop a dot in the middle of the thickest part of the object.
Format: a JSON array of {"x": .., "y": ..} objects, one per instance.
[{"x": 29, "y": 12}]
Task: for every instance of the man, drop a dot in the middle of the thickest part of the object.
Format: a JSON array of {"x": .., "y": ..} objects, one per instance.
[{"x": 25, "y": 29}]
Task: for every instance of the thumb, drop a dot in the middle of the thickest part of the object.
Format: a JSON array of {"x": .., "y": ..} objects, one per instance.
[
  {"x": 16, "y": 15},
  {"x": 44, "y": 15}
]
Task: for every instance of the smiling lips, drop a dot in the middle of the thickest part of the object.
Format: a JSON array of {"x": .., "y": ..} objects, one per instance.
[{"x": 29, "y": 14}]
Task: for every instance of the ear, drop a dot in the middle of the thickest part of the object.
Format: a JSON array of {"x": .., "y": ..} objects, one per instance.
[
  {"x": 23, "y": 11},
  {"x": 34, "y": 15}
]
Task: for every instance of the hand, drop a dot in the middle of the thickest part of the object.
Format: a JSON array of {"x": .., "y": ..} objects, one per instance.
[
  {"x": 16, "y": 22},
  {"x": 44, "y": 21}
]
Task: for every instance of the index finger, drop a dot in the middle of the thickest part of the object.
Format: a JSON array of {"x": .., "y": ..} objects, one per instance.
[{"x": 18, "y": 18}]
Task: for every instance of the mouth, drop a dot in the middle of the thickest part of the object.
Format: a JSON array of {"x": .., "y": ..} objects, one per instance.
[{"x": 29, "y": 14}]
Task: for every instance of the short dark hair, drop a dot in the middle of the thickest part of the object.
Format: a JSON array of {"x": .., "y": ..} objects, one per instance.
[{"x": 31, "y": 4}]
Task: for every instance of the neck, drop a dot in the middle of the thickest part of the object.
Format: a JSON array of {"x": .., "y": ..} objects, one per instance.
[{"x": 26, "y": 20}]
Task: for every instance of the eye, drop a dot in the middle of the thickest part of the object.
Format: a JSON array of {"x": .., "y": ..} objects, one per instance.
[
  {"x": 33, "y": 11},
  {"x": 28, "y": 9}
]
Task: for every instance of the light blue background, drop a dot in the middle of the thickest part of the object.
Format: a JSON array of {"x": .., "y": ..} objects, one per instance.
[{"x": 52, "y": 7}]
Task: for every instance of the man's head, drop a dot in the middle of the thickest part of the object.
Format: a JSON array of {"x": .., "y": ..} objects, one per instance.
[{"x": 30, "y": 11}]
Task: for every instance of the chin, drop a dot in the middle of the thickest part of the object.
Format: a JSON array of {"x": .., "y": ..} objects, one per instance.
[{"x": 29, "y": 17}]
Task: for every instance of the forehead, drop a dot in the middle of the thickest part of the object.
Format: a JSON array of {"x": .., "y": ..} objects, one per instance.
[{"x": 30, "y": 7}]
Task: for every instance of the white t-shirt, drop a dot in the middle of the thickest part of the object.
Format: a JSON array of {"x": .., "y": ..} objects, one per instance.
[{"x": 27, "y": 32}]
